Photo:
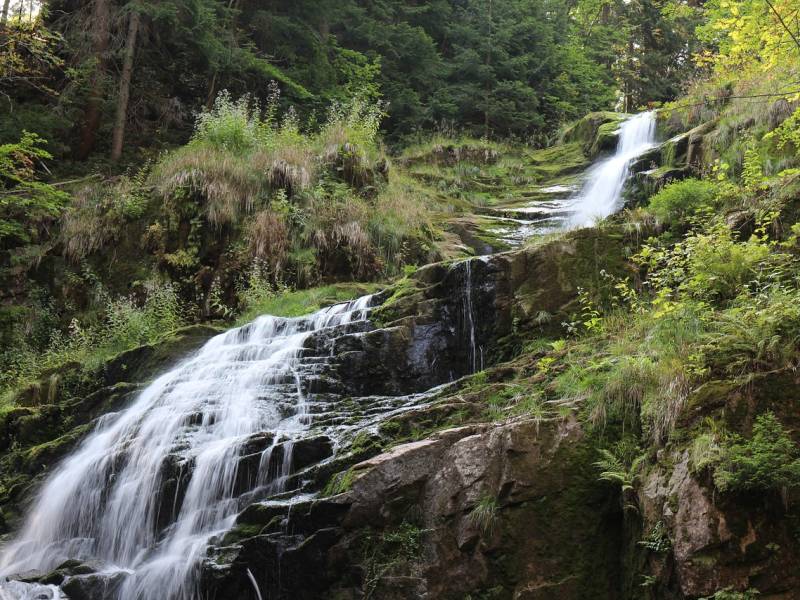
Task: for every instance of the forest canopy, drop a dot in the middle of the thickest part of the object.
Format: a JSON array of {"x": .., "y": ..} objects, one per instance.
[{"x": 105, "y": 76}]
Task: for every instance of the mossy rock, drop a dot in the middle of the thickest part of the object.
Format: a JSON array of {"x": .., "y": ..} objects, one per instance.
[
  {"x": 555, "y": 162},
  {"x": 145, "y": 362},
  {"x": 34, "y": 438},
  {"x": 546, "y": 278},
  {"x": 585, "y": 130},
  {"x": 606, "y": 139}
]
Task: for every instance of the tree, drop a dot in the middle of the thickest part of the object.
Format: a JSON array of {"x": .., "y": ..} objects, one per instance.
[
  {"x": 125, "y": 85},
  {"x": 750, "y": 34},
  {"x": 26, "y": 204},
  {"x": 101, "y": 41}
]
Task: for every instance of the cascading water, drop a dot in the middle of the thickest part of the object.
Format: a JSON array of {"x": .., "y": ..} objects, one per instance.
[
  {"x": 602, "y": 192},
  {"x": 475, "y": 356},
  {"x": 105, "y": 502}
]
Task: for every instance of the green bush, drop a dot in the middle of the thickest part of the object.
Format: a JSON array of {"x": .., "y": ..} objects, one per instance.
[
  {"x": 679, "y": 200},
  {"x": 26, "y": 204},
  {"x": 235, "y": 126},
  {"x": 769, "y": 460},
  {"x": 711, "y": 265},
  {"x": 126, "y": 323}
]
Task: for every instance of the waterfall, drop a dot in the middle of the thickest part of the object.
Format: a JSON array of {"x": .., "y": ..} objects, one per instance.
[
  {"x": 602, "y": 193},
  {"x": 475, "y": 361},
  {"x": 106, "y": 502}
]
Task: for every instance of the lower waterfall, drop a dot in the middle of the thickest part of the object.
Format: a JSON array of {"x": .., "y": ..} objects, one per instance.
[{"x": 108, "y": 502}]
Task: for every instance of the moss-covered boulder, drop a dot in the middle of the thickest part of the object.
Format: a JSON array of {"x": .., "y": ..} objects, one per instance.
[{"x": 596, "y": 131}]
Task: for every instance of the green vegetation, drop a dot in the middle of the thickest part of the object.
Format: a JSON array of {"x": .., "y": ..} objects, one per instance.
[
  {"x": 339, "y": 483},
  {"x": 768, "y": 460},
  {"x": 682, "y": 200},
  {"x": 259, "y": 299},
  {"x": 250, "y": 209},
  {"x": 27, "y": 206},
  {"x": 186, "y": 161},
  {"x": 395, "y": 549},
  {"x": 657, "y": 539},
  {"x": 126, "y": 323},
  {"x": 484, "y": 515},
  {"x": 619, "y": 467}
]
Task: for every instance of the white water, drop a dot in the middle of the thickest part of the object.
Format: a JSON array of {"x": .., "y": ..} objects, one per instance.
[
  {"x": 601, "y": 195},
  {"x": 102, "y": 504},
  {"x": 475, "y": 357}
]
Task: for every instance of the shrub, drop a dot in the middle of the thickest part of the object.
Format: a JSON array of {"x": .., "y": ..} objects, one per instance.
[
  {"x": 26, "y": 205},
  {"x": 710, "y": 265},
  {"x": 127, "y": 323},
  {"x": 769, "y": 460},
  {"x": 678, "y": 201},
  {"x": 356, "y": 123},
  {"x": 719, "y": 266},
  {"x": 233, "y": 126}
]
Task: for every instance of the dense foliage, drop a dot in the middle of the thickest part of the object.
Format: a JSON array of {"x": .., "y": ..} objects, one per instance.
[{"x": 511, "y": 67}]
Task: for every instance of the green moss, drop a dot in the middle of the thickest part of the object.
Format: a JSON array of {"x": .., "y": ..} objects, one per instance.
[
  {"x": 339, "y": 483},
  {"x": 585, "y": 129},
  {"x": 302, "y": 302},
  {"x": 47, "y": 453},
  {"x": 404, "y": 293},
  {"x": 244, "y": 531},
  {"x": 364, "y": 442},
  {"x": 558, "y": 161},
  {"x": 606, "y": 138}
]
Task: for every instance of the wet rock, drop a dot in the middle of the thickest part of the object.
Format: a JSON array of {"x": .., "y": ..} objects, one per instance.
[
  {"x": 588, "y": 129},
  {"x": 548, "y": 528},
  {"x": 606, "y": 139},
  {"x": 95, "y": 586},
  {"x": 310, "y": 451},
  {"x": 66, "y": 569}
]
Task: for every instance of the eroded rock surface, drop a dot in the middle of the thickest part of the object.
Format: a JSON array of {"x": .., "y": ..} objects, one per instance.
[{"x": 513, "y": 508}]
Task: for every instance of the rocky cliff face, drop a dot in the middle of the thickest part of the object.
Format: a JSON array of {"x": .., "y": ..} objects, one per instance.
[{"x": 512, "y": 510}]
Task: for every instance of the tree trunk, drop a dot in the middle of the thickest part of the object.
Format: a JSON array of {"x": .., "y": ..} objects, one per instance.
[
  {"x": 4, "y": 16},
  {"x": 118, "y": 136},
  {"x": 101, "y": 40},
  {"x": 488, "y": 91}
]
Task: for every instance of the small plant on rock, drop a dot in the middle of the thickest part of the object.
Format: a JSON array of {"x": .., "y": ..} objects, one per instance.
[
  {"x": 769, "y": 460},
  {"x": 657, "y": 540},
  {"x": 484, "y": 515}
]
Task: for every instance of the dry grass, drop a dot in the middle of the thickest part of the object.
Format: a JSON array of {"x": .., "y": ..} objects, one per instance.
[
  {"x": 99, "y": 212},
  {"x": 268, "y": 240},
  {"x": 230, "y": 185},
  {"x": 337, "y": 233}
]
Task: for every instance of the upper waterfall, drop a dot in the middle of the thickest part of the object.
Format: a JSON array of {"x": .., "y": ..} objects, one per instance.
[{"x": 602, "y": 193}]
